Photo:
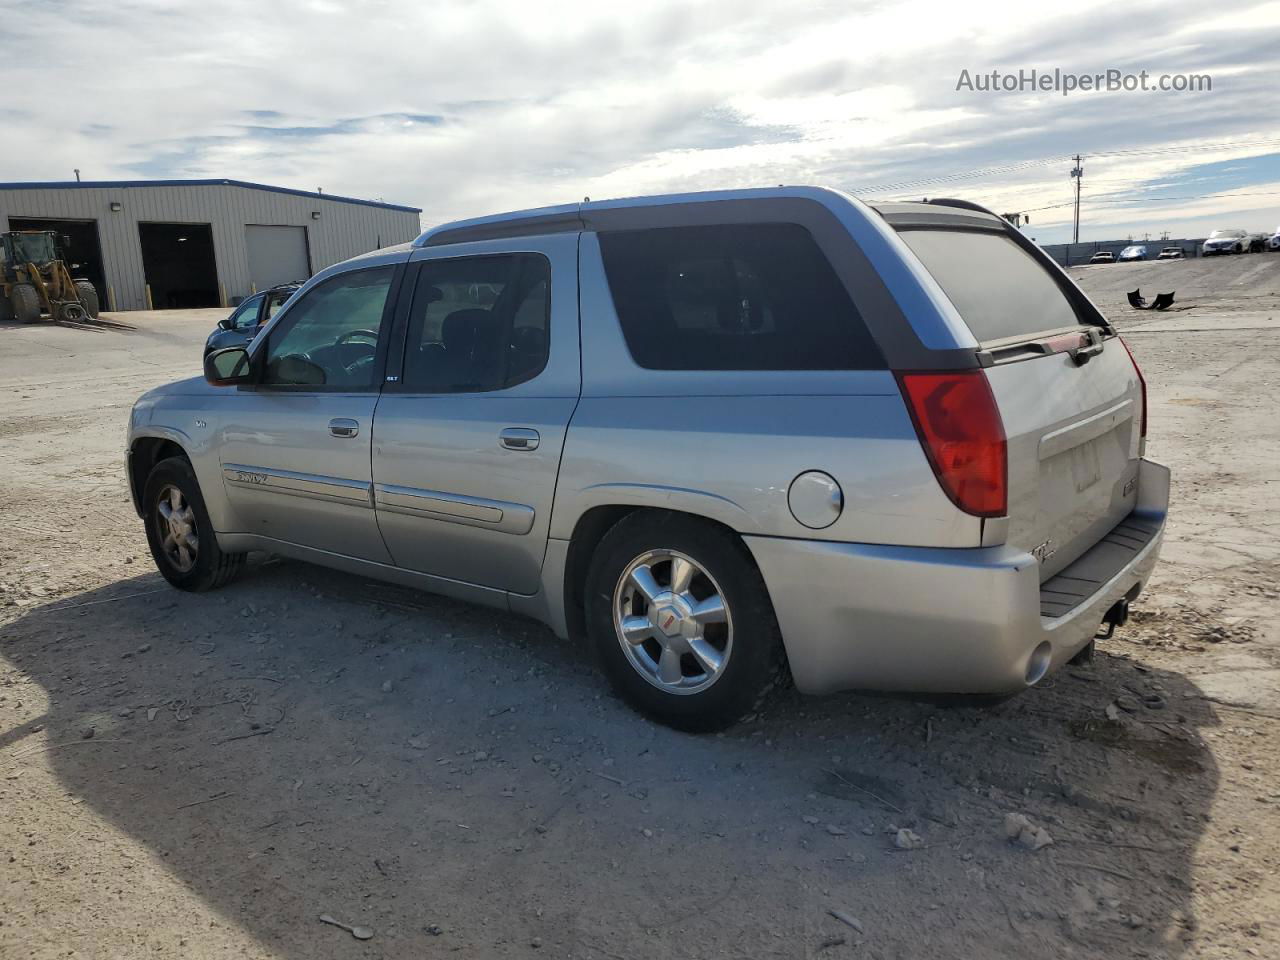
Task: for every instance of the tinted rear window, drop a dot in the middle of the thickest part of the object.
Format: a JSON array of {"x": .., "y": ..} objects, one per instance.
[
  {"x": 733, "y": 297},
  {"x": 999, "y": 290}
]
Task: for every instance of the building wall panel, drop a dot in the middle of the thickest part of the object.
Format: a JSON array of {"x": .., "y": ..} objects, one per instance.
[{"x": 343, "y": 230}]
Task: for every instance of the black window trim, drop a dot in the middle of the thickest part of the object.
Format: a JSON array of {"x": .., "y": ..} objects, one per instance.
[
  {"x": 385, "y": 330},
  {"x": 393, "y": 381}
]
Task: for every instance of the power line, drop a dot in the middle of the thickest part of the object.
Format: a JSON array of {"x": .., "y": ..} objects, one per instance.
[
  {"x": 1203, "y": 196},
  {"x": 1042, "y": 161}
]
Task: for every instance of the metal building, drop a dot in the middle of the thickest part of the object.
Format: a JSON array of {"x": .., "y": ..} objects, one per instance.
[{"x": 198, "y": 243}]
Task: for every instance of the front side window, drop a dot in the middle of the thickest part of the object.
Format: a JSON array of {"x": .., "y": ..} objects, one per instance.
[
  {"x": 246, "y": 315},
  {"x": 478, "y": 324},
  {"x": 733, "y": 297},
  {"x": 329, "y": 338}
]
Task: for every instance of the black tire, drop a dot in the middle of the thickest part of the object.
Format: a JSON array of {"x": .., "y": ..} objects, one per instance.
[
  {"x": 6, "y": 308},
  {"x": 756, "y": 662},
  {"x": 25, "y": 302},
  {"x": 210, "y": 567},
  {"x": 88, "y": 297}
]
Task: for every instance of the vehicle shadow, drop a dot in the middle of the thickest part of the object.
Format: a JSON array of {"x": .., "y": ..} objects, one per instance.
[{"x": 459, "y": 780}]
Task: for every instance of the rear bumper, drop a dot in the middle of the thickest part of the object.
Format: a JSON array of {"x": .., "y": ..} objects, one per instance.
[{"x": 871, "y": 617}]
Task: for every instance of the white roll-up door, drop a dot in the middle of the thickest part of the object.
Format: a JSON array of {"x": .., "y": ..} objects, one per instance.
[{"x": 276, "y": 254}]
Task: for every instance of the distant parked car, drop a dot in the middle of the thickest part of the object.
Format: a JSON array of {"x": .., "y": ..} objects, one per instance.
[
  {"x": 1170, "y": 253},
  {"x": 1135, "y": 252},
  {"x": 242, "y": 326},
  {"x": 1273, "y": 243},
  {"x": 1103, "y": 256},
  {"x": 1225, "y": 241}
]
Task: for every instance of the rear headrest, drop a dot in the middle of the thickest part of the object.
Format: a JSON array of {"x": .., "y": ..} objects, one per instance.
[{"x": 463, "y": 329}]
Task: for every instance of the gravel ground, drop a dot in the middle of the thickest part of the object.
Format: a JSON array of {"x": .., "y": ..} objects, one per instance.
[{"x": 203, "y": 776}]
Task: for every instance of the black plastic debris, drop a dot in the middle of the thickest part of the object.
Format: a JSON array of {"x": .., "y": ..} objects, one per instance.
[{"x": 1162, "y": 301}]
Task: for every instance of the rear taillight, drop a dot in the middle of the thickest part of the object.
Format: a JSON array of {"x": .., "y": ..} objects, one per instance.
[
  {"x": 1142, "y": 382},
  {"x": 959, "y": 426}
]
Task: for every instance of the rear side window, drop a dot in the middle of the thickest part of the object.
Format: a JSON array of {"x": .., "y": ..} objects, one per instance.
[
  {"x": 996, "y": 286},
  {"x": 478, "y": 324},
  {"x": 733, "y": 297}
]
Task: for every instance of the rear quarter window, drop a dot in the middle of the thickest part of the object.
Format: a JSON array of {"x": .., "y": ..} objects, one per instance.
[
  {"x": 733, "y": 297},
  {"x": 999, "y": 290}
]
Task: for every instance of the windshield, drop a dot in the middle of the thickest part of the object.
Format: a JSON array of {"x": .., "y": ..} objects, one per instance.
[
  {"x": 1226, "y": 234},
  {"x": 33, "y": 247}
]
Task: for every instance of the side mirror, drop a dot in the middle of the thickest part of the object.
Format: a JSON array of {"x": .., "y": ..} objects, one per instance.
[
  {"x": 225, "y": 323},
  {"x": 227, "y": 367}
]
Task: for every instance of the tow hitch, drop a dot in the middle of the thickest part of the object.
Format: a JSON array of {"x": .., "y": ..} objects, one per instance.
[{"x": 1117, "y": 616}]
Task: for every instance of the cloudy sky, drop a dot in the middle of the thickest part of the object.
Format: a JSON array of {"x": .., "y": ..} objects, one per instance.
[{"x": 469, "y": 108}]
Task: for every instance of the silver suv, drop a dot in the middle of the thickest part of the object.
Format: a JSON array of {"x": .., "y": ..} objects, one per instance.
[{"x": 719, "y": 436}]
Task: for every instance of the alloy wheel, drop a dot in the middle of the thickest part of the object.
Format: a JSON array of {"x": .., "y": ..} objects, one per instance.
[
  {"x": 672, "y": 622},
  {"x": 176, "y": 528}
]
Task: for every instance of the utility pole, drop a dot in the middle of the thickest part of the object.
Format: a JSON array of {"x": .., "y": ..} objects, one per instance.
[
  {"x": 1077, "y": 173},
  {"x": 77, "y": 174}
]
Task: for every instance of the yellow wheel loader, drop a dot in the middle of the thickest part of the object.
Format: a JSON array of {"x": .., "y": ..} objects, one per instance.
[{"x": 34, "y": 281}]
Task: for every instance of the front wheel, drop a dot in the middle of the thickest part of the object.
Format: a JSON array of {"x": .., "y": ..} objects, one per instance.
[
  {"x": 25, "y": 302},
  {"x": 87, "y": 294},
  {"x": 681, "y": 621},
  {"x": 179, "y": 533}
]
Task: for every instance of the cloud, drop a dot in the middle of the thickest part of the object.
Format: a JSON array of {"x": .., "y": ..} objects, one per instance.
[{"x": 471, "y": 108}]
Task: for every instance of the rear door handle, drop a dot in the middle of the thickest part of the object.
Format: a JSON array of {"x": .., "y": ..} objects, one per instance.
[
  {"x": 344, "y": 427},
  {"x": 519, "y": 438}
]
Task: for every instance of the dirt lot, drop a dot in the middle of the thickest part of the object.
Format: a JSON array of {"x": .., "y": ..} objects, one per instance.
[{"x": 202, "y": 776}]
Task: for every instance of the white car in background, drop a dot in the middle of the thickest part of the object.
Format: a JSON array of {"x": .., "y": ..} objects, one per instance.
[
  {"x": 1225, "y": 241},
  {"x": 1273, "y": 242}
]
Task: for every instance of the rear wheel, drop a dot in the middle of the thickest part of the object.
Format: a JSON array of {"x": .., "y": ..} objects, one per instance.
[
  {"x": 681, "y": 621},
  {"x": 25, "y": 302},
  {"x": 87, "y": 294},
  {"x": 179, "y": 532}
]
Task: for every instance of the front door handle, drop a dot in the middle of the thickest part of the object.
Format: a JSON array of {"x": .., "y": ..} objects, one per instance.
[
  {"x": 344, "y": 427},
  {"x": 519, "y": 438}
]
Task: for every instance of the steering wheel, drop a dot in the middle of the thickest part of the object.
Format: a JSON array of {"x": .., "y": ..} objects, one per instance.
[{"x": 352, "y": 334}]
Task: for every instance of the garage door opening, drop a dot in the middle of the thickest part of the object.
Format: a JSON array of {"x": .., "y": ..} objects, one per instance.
[
  {"x": 177, "y": 260},
  {"x": 79, "y": 246}
]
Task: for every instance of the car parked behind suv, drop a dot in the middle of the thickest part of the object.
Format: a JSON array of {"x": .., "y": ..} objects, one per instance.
[
  {"x": 239, "y": 329},
  {"x": 1103, "y": 256},
  {"x": 1170, "y": 253},
  {"x": 1135, "y": 251},
  {"x": 717, "y": 437},
  {"x": 1225, "y": 241}
]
